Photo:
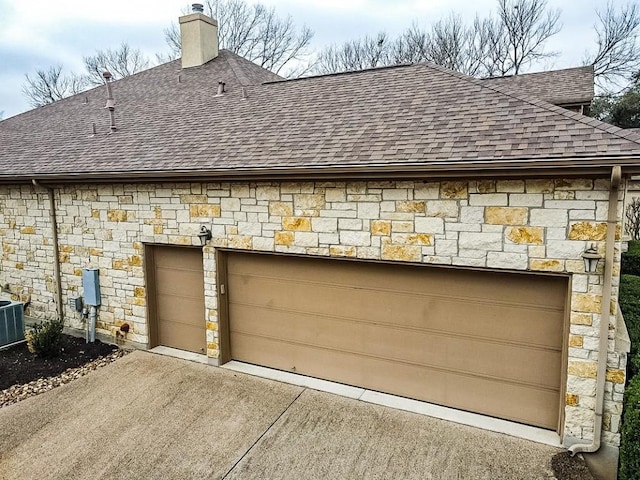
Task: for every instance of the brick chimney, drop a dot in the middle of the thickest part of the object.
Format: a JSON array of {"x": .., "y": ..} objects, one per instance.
[{"x": 199, "y": 38}]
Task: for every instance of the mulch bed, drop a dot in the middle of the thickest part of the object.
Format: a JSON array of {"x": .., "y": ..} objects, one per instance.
[
  {"x": 19, "y": 366},
  {"x": 566, "y": 467}
]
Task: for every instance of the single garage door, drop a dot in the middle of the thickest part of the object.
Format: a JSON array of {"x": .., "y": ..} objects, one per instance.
[
  {"x": 484, "y": 342},
  {"x": 176, "y": 282}
]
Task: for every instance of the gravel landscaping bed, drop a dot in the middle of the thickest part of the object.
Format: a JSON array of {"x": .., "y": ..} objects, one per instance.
[{"x": 23, "y": 374}]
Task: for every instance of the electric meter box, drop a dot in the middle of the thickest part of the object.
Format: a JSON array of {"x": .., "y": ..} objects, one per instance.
[{"x": 91, "y": 285}]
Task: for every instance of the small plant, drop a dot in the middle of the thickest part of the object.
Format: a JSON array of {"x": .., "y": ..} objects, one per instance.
[
  {"x": 631, "y": 259},
  {"x": 45, "y": 338}
]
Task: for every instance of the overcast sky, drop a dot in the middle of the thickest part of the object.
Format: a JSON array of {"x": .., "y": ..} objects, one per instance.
[{"x": 40, "y": 33}]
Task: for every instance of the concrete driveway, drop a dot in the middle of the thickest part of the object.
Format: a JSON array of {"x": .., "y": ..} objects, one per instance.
[{"x": 147, "y": 416}]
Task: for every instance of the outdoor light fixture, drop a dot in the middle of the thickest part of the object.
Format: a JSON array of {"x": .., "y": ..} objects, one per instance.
[
  {"x": 591, "y": 258},
  {"x": 204, "y": 235}
]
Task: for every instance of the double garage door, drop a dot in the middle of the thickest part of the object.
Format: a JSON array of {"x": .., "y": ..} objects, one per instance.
[{"x": 485, "y": 342}]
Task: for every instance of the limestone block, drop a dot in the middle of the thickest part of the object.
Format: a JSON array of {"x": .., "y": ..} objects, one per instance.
[
  {"x": 548, "y": 217},
  {"x": 319, "y": 224},
  {"x": 525, "y": 200},
  {"x": 480, "y": 241},
  {"x": 359, "y": 239},
  {"x": 264, "y": 192},
  {"x": 284, "y": 238},
  {"x": 335, "y": 195},
  {"x": 573, "y": 184},
  {"x": 488, "y": 199},
  {"x": 441, "y": 208},
  {"x": 486, "y": 186},
  {"x": 588, "y": 231},
  {"x": 204, "y": 211},
  {"x": 306, "y": 239},
  {"x": 510, "y": 186},
  {"x": 342, "y": 251},
  {"x": 427, "y": 191},
  {"x": 516, "y": 261},
  {"x": 429, "y": 225},
  {"x": 409, "y": 253},
  {"x": 309, "y": 202},
  {"x": 394, "y": 194},
  {"x": 369, "y": 210},
  {"x": 472, "y": 215},
  {"x": 582, "y": 369},
  {"x": 412, "y": 239},
  {"x": 566, "y": 249},
  {"x": 506, "y": 215},
  {"x": 586, "y": 302}
]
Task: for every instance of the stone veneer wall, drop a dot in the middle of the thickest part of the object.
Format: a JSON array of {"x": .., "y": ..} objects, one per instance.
[{"x": 537, "y": 225}]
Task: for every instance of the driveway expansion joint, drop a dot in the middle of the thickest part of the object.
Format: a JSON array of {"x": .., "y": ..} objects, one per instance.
[{"x": 262, "y": 435}]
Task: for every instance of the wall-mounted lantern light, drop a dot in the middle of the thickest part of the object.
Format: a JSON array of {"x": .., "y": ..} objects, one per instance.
[
  {"x": 204, "y": 235},
  {"x": 591, "y": 259}
]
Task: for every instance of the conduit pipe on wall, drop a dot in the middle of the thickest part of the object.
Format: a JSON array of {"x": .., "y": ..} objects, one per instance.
[
  {"x": 56, "y": 253},
  {"x": 605, "y": 314}
]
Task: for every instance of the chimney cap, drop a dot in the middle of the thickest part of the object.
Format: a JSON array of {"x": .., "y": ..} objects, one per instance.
[
  {"x": 197, "y": 8},
  {"x": 107, "y": 75}
]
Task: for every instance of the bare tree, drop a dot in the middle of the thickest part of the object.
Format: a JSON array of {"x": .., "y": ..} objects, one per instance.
[
  {"x": 618, "y": 54},
  {"x": 520, "y": 34},
  {"x": 255, "y": 32},
  {"x": 47, "y": 86},
  {"x": 369, "y": 52},
  {"x": 632, "y": 214},
  {"x": 121, "y": 62}
]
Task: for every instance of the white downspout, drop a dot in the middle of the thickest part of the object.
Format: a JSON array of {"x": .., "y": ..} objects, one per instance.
[{"x": 605, "y": 314}]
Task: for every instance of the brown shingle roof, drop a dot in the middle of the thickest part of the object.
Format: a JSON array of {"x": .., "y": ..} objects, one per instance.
[
  {"x": 570, "y": 86},
  {"x": 417, "y": 117}
]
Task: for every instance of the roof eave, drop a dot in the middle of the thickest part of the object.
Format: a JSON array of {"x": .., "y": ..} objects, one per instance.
[{"x": 461, "y": 169}]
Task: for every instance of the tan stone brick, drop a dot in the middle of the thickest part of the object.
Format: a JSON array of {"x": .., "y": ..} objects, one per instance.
[
  {"x": 539, "y": 186},
  {"x": 140, "y": 302},
  {"x": 380, "y": 227},
  {"x": 66, "y": 248},
  {"x": 135, "y": 260},
  {"x": 572, "y": 400},
  {"x": 95, "y": 213},
  {"x": 409, "y": 253},
  {"x": 64, "y": 257},
  {"x": 95, "y": 251},
  {"x": 581, "y": 318},
  {"x": 139, "y": 291},
  {"x": 586, "y": 302},
  {"x": 575, "y": 341},
  {"x": 413, "y": 239},
  {"x": 615, "y": 376},
  {"x": 546, "y": 265},
  {"x": 28, "y": 230},
  {"x": 454, "y": 190},
  {"x": 582, "y": 369},
  {"x": 299, "y": 224},
  {"x": 213, "y": 326},
  {"x": 282, "y": 209},
  {"x": 410, "y": 206},
  {"x": 309, "y": 201},
  {"x": 588, "y": 231},
  {"x": 510, "y": 186},
  {"x": 573, "y": 184},
  {"x": 193, "y": 199},
  {"x": 118, "y": 265},
  {"x": 204, "y": 210},
  {"x": 525, "y": 235},
  {"x": 77, "y": 272},
  {"x": 117, "y": 215},
  {"x": 486, "y": 186},
  {"x": 158, "y": 229},
  {"x": 19, "y": 266},
  {"x": 505, "y": 215},
  {"x": 157, "y": 211},
  {"x": 240, "y": 241},
  {"x": 400, "y": 226},
  {"x": 340, "y": 251}
]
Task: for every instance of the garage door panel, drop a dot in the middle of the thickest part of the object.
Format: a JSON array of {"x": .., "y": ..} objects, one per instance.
[
  {"x": 518, "y": 402},
  {"x": 480, "y": 341},
  {"x": 482, "y": 356},
  {"x": 533, "y": 289},
  {"x": 527, "y": 323},
  {"x": 178, "y": 296}
]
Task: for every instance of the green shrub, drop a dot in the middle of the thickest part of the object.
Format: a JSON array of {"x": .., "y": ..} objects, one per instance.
[
  {"x": 45, "y": 338},
  {"x": 631, "y": 259},
  {"x": 629, "y": 299},
  {"x": 630, "y": 433}
]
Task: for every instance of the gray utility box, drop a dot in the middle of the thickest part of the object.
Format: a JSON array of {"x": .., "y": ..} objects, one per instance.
[
  {"x": 11, "y": 322},
  {"x": 91, "y": 285}
]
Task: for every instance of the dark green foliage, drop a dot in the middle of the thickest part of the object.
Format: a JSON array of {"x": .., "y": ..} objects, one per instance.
[
  {"x": 631, "y": 259},
  {"x": 629, "y": 300},
  {"x": 620, "y": 110},
  {"x": 45, "y": 338},
  {"x": 630, "y": 441}
]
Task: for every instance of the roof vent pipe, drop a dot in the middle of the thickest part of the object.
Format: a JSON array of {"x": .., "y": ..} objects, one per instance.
[
  {"x": 221, "y": 88},
  {"x": 197, "y": 8},
  {"x": 111, "y": 104}
]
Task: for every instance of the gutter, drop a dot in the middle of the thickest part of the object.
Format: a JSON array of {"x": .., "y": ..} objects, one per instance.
[
  {"x": 56, "y": 251},
  {"x": 605, "y": 314}
]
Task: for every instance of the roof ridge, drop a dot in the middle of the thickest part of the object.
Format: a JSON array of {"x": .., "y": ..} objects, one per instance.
[
  {"x": 347, "y": 72},
  {"x": 589, "y": 121},
  {"x": 582, "y": 67}
]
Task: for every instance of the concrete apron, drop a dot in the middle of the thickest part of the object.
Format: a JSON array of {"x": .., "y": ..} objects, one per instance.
[{"x": 152, "y": 416}]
